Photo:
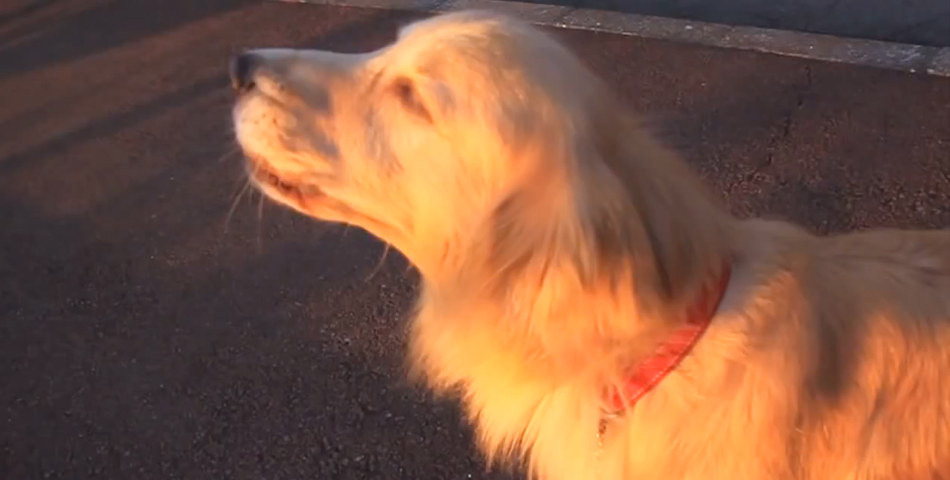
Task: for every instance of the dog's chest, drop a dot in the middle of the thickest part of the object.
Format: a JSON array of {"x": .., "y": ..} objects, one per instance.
[{"x": 679, "y": 442}]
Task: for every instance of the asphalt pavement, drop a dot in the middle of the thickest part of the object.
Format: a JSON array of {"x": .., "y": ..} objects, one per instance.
[
  {"x": 923, "y": 22},
  {"x": 142, "y": 336}
]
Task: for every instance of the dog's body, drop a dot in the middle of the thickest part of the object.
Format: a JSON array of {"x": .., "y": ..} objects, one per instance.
[{"x": 559, "y": 245}]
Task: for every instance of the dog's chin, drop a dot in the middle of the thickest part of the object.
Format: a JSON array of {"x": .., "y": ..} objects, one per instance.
[
  {"x": 311, "y": 200},
  {"x": 308, "y": 198}
]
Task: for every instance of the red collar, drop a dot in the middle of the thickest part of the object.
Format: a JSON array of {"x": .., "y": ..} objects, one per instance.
[{"x": 670, "y": 353}]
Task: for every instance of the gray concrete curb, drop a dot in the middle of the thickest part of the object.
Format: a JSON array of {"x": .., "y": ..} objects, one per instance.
[{"x": 852, "y": 51}]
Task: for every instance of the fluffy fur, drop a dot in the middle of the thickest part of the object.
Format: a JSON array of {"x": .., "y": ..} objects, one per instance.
[{"x": 559, "y": 243}]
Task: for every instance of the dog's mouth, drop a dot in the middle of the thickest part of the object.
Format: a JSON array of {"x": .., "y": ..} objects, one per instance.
[{"x": 274, "y": 183}]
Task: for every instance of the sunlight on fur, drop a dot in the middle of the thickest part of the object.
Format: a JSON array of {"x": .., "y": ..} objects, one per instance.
[{"x": 559, "y": 244}]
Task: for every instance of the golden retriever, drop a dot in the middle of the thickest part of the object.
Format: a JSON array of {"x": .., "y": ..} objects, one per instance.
[{"x": 599, "y": 315}]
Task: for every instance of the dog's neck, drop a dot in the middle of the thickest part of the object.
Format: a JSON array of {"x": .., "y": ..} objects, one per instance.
[
  {"x": 645, "y": 376},
  {"x": 602, "y": 313},
  {"x": 596, "y": 278}
]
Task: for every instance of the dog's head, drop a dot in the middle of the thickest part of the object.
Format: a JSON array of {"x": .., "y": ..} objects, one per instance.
[
  {"x": 416, "y": 142},
  {"x": 477, "y": 145}
]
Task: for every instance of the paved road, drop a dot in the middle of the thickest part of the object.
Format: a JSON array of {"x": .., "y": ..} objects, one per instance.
[
  {"x": 140, "y": 340},
  {"x": 925, "y": 22}
]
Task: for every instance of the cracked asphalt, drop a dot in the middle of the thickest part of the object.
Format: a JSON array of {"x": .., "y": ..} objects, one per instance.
[{"x": 144, "y": 337}]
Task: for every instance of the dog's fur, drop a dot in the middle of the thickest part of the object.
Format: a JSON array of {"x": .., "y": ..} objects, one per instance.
[{"x": 558, "y": 244}]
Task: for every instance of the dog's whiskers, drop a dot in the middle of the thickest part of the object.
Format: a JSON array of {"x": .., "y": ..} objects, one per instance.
[
  {"x": 379, "y": 264},
  {"x": 229, "y": 154},
  {"x": 234, "y": 203},
  {"x": 260, "y": 221}
]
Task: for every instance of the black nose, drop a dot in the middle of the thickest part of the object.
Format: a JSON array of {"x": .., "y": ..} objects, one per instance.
[{"x": 242, "y": 70}]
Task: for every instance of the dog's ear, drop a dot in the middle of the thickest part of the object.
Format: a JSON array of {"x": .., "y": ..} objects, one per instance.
[
  {"x": 687, "y": 232},
  {"x": 571, "y": 221},
  {"x": 610, "y": 208}
]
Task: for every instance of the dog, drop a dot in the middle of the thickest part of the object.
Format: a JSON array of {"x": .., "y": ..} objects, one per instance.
[{"x": 597, "y": 312}]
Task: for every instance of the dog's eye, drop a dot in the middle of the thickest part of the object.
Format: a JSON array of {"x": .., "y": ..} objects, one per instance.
[{"x": 406, "y": 92}]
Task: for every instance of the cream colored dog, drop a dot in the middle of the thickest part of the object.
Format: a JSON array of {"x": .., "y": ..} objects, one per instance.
[{"x": 600, "y": 316}]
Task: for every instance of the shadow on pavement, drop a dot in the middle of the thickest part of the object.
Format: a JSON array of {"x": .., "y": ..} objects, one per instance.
[
  {"x": 138, "y": 340},
  {"x": 35, "y": 38}
]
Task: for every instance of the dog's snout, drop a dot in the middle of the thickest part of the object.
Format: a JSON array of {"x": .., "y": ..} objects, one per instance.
[{"x": 242, "y": 68}]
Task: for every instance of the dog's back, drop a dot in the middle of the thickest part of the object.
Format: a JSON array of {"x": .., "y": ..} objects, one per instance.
[
  {"x": 829, "y": 360},
  {"x": 877, "y": 356}
]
